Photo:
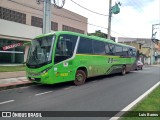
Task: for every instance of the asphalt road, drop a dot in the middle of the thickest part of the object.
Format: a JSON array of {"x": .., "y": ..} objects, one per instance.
[{"x": 105, "y": 93}]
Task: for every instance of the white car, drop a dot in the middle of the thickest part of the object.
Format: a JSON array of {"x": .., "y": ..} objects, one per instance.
[{"x": 139, "y": 65}]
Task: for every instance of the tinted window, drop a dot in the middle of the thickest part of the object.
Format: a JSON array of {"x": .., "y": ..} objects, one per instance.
[
  {"x": 85, "y": 46},
  {"x": 110, "y": 48},
  {"x": 130, "y": 52},
  {"x": 98, "y": 47},
  {"x": 65, "y": 47},
  {"x": 125, "y": 51},
  {"x": 134, "y": 53},
  {"x": 107, "y": 49},
  {"x": 118, "y": 50}
]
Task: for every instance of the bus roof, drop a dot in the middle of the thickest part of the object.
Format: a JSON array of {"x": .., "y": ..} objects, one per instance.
[{"x": 83, "y": 35}]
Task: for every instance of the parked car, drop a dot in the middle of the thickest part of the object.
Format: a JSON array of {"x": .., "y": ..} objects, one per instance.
[{"x": 139, "y": 65}]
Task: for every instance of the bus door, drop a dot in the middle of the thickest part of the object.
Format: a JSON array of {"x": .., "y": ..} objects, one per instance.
[{"x": 64, "y": 56}]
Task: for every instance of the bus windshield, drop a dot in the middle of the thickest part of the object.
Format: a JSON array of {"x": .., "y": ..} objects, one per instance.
[{"x": 40, "y": 51}]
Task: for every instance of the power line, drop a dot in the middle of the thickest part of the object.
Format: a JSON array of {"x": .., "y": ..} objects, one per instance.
[{"x": 88, "y": 9}]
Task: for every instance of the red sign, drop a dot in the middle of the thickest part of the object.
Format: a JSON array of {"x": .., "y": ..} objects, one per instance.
[{"x": 12, "y": 46}]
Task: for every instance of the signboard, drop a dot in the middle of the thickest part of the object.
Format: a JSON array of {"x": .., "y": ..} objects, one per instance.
[{"x": 12, "y": 46}]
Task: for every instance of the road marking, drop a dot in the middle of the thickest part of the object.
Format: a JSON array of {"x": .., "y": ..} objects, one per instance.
[
  {"x": 135, "y": 102},
  {"x": 20, "y": 88},
  {"x": 6, "y": 102},
  {"x": 43, "y": 93}
]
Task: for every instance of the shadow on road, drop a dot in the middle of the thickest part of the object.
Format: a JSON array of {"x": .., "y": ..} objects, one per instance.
[{"x": 58, "y": 86}]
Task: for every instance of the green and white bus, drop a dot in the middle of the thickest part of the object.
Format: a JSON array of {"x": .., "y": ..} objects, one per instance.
[{"x": 67, "y": 56}]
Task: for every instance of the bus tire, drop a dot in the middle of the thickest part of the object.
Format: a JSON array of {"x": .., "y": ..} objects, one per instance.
[
  {"x": 123, "y": 70},
  {"x": 80, "y": 77}
]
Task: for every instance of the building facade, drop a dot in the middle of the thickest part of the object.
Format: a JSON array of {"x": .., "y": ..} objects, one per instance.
[
  {"x": 21, "y": 21},
  {"x": 146, "y": 48}
]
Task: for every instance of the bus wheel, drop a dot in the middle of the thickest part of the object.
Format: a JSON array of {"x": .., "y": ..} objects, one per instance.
[
  {"x": 80, "y": 77},
  {"x": 123, "y": 70}
]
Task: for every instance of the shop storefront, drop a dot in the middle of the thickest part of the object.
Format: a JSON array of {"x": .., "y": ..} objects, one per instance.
[{"x": 11, "y": 51}]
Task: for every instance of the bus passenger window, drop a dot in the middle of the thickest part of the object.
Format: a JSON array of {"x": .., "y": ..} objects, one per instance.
[
  {"x": 85, "y": 46},
  {"x": 98, "y": 47},
  {"x": 107, "y": 49},
  {"x": 125, "y": 51},
  {"x": 130, "y": 52},
  {"x": 118, "y": 50},
  {"x": 111, "y": 49},
  {"x": 134, "y": 54}
]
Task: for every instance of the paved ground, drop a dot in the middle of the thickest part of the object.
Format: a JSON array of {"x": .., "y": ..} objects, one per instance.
[
  {"x": 6, "y": 75},
  {"x": 13, "y": 79},
  {"x": 107, "y": 93}
]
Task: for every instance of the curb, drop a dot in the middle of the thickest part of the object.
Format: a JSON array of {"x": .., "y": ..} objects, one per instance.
[{"x": 15, "y": 85}]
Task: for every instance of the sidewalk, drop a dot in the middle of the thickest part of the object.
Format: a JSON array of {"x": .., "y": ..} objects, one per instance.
[
  {"x": 156, "y": 65},
  {"x": 16, "y": 74},
  {"x": 13, "y": 79}
]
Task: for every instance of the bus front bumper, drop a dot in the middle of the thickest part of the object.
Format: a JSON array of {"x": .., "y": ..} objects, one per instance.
[{"x": 43, "y": 78}]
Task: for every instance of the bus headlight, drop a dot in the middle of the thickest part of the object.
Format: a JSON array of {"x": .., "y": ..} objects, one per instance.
[{"x": 46, "y": 70}]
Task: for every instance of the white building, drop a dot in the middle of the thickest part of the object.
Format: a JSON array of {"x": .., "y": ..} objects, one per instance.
[{"x": 21, "y": 21}]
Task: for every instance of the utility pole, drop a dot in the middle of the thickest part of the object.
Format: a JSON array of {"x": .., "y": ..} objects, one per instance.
[
  {"x": 46, "y": 16},
  {"x": 109, "y": 19},
  {"x": 115, "y": 10},
  {"x": 47, "y": 12},
  {"x": 152, "y": 44}
]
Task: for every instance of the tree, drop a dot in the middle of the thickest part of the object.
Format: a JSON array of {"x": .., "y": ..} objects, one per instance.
[{"x": 98, "y": 33}]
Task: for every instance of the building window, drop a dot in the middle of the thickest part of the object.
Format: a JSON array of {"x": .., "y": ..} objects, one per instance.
[
  {"x": 12, "y": 54},
  {"x": 36, "y": 21},
  {"x": 12, "y": 15},
  {"x": 68, "y": 28},
  {"x": 54, "y": 26}
]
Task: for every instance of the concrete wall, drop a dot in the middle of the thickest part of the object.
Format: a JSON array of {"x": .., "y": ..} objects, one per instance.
[{"x": 9, "y": 28}]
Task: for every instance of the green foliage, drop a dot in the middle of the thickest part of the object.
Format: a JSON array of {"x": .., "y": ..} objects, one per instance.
[
  {"x": 98, "y": 33},
  {"x": 150, "y": 103}
]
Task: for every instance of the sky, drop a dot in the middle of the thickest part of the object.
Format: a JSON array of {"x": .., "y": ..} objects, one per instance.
[{"x": 134, "y": 20}]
